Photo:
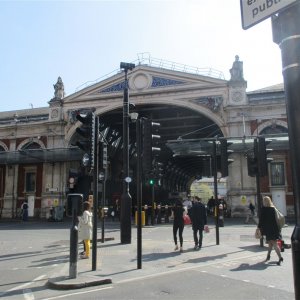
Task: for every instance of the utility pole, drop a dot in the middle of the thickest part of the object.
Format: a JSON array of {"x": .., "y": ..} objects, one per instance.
[{"x": 286, "y": 33}]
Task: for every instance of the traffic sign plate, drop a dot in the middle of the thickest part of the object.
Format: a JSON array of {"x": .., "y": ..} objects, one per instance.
[{"x": 255, "y": 11}]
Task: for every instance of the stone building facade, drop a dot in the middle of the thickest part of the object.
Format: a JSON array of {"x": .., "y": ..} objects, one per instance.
[{"x": 37, "y": 154}]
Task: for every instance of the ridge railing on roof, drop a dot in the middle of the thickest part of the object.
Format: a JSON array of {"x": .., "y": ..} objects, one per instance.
[{"x": 147, "y": 60}]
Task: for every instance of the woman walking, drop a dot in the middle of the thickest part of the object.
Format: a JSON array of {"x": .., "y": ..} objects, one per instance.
[
  {"x": 85, "y": 229},
  {"x": 268, "y": 227},
  {"x": 178, "y": 224}
]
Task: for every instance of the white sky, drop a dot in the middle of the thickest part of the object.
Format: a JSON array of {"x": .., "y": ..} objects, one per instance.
[{"x": 82, "y": 41}]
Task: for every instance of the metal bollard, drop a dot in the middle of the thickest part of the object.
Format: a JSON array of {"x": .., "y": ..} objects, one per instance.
[{"x": 159, "y": 214}]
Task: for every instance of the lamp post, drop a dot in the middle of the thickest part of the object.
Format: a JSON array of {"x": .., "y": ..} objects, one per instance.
[{"x": 126, "y": 201}]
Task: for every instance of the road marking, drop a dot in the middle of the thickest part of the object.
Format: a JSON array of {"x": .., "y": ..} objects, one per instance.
[
  {"x": 22, "y": 286},
  {"x": 28, "y": 295},
  {"x": 78, "y": 293}
]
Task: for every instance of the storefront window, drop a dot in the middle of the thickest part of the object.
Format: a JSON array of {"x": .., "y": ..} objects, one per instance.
[{"x": 277, "y": 173}]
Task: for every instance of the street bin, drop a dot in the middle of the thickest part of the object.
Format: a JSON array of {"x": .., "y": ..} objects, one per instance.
[{"x": 143, "y": 218}]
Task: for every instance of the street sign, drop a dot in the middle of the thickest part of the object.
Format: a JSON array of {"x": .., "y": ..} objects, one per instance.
[{"x": 255, "y": 11}]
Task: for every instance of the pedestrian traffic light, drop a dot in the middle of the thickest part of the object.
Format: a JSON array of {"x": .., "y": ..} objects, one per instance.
[
  {"x": 151, "y": 181},
  {"x": 150, "y": 140},
  {"x": 262, "y": 158},
  {"x": 88, "y": 143},
  {"x": 225, "y": 160}
]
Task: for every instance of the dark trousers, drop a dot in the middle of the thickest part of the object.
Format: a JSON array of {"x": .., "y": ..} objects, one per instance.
[
  {"x": 176, "y": 228},
  {"x": 198, "y": 241}
]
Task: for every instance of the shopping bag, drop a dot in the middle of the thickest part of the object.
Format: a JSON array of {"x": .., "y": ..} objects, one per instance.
[
  {"x": 280, "y": 244},
  {"x": 187, "y": 220},
  {"x": 279, "y": 218},
  {"x": 258, "y": 234},
  {"x": 206, "y": 229}
]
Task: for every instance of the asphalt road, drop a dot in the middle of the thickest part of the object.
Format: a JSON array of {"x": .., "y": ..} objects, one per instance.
[{"x": 31, "y": 252}]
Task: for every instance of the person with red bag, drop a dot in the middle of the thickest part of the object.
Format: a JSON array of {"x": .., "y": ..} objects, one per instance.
[
  {"x": 199, "y": 220},
  {"x": 178, "y": 213}
]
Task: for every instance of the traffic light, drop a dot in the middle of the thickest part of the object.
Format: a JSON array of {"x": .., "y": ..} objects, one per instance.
[
  {"x": 151, "y": 181},
  {"x": 252, "y": 165},
  {"x": 74, "y": 205},
  {"x": 225, "y": 160},
  {"x": 89, "y": 142},
  {"x": 262, "y": 154},
  {"x": 149, "y": 143},
  {"x": 252, "y": 160}
]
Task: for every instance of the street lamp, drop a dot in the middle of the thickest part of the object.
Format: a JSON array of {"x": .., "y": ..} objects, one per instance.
[{"x": 126, "y": 200}]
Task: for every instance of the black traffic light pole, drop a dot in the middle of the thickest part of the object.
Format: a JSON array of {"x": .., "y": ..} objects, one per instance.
[
  {"x": 139, "y": 192},
  {"x": 257, "y": 178},
  {"x": 152, "y": 203},
  {"x": 286, "y": 33},
  {"x": 216, "y": 191},
  {"x": 95, "y": 193},
  {"x": 126, "y": 200}
]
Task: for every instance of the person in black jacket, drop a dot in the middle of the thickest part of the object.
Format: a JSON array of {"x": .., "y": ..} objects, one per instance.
[
  {"x": 268, "y": 227},
  {"x": 178, "y": 224},
  {"x": 199, "y": 220}
]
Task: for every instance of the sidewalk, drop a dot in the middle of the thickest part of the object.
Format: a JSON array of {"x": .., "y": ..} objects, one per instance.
[{"x": 117, "y": 262}]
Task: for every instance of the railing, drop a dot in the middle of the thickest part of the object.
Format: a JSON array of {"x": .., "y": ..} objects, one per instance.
[{"x": 147, "y": 60}]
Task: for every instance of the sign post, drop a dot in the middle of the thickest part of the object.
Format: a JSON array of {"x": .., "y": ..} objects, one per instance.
[{"x": 255, "y": 11}]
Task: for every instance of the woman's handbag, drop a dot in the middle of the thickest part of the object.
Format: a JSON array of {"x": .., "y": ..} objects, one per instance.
[
  {"x": 187, "y": 220},
  {"x": 279, "y": 218},
  {"x": 258, "y": 234}
]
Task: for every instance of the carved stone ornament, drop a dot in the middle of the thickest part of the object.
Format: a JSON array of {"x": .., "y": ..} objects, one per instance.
[
  {"x": 54, "y": 113},
  {"x": 237, "y": 96},
  {"x": 212, "y": 102}
]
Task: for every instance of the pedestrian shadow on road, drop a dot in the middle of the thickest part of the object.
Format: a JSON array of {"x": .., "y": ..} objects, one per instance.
[
  {"x": 159, "y": 255},
  {"x": 253, "y": 248},
  {"x": 259, "y": 266},
  {"x": 48, "y": 261}
]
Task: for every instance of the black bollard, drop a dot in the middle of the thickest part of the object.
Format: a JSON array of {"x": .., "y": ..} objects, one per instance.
[
  {"x": 158, "y": 214},
  {"x": 73, "y": 248}
]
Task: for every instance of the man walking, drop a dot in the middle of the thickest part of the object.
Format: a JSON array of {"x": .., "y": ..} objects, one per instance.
[{"x": 199, "y": 219}]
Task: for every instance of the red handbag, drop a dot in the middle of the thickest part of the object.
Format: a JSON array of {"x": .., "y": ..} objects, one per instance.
[{"x": 187, "y": 220}]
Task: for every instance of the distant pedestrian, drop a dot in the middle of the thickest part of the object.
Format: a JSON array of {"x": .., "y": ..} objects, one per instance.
[
  {"x": 24, "y": 211},
  {"x": 187, "y": 203},
  {"x": 211, "y": 206},
  {"x": 178, "y": 212},
  {"x": 269, "y": 228},
  {"x": 85, "y": 229},
  {"x": 199, "y": 220},
  {"x": 251, "y": 212}
]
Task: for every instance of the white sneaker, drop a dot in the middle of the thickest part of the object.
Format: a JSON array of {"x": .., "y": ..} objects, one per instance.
[{"x": 176, "y": 248}]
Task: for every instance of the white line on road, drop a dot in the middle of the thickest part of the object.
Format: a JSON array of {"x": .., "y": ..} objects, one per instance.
[
  {"x": 28, "y": 295},
  {"x": 78, "y": 293},
  {"x": 22, "y": 286}
]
